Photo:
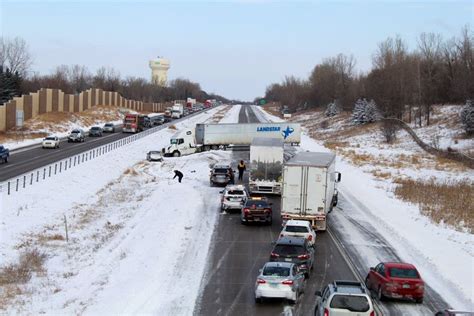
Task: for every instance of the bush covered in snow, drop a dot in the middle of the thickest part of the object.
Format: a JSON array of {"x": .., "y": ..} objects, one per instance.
[
  {"x": 467, "y": 117},
  {"x": 364, "y": 112},
  {"x": 332, "y": 109}
]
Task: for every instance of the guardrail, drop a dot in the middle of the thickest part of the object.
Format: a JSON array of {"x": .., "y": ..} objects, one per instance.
[{"x": 17, "y": 183}]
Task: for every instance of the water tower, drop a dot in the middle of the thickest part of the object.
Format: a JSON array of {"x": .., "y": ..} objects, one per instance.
[{"x": 159, "y": 70}]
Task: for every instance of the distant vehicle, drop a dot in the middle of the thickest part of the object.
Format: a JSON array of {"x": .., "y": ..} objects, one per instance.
[
  {"x": 296, "y": 250},
  {"x": 4, "y": 154},
  {"x": 190, "y": 104},
  {"x": 205, "y": 137},
  {"x": 396, "y": 280},
  {"x": 95, "y": 131},
  {"x": 256, "y": 209},
  {"x": 309, "y": 188},
  {"x": 208, "y": 104},
  {"x": 453, "y": 312},
  {"x": 344, "y": 298},
  {"x": 302, "y": 229},
  {"x": 220, "y": 174},
  {"x": 135, "y": 123},
  {"x": 109, "y": 128},
  {"x": 76, "y": 135},
  {"x": 168, "y": 114},
  {"x": 154, "y": 155},
  {"x": 156, "y": 119},
  {"x": 177, "y": 111},
  {"x": 234, "y": 197},
  {"x": 50, "y": 142},
  {"x": 279, "y": 280},
  {"x": 266, "y": 164}
]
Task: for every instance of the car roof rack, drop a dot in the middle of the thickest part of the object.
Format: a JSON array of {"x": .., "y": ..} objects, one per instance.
[{"x": 349, "y": 283}]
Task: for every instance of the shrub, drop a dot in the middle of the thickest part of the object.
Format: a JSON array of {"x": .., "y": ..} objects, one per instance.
[
  {"x": 467, "y": 117},
  {"x": 364, "y": 112},
  {"x": 332, "y": 109}
]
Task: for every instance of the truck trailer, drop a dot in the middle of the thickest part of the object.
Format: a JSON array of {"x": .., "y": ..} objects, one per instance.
[
  {"x": 309, "y": 188},
  {"x": 266, "y": 163},
  {"x": 135, "y": 123},
  {"x": 205, "y": 137},
  {"x": 177, "y": 111}
]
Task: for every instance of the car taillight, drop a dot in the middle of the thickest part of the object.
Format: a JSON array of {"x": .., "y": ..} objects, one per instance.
[
  {"x": 306, "y": 256},
  {"x": 287, "y": 282},
  {"x": 420, "y": 286},
  {"x": 310, "y": 237},
  {"x": 274, "y": 255},
  {"x": 326, "y": 312},
  {"x": 372, "y": 313},
  {"x": 267, "y": 210},
  {"x": 246, "y": 210},
  {"x": 261, "y": 281}
]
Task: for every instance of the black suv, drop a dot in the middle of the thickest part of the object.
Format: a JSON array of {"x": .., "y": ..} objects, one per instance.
[
  {"x": 296, "y": 250},
  {"x": 256, "y": 209}
]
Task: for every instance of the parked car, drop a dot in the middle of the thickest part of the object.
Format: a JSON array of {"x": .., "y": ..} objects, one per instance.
[
  {"x": 233, "y": 197},
  {"x": 344, "y": 298},
  {"x": 297, "y": 228},
  {"x": 220, "y": 174},
  {"x": 109, "y": 128},
  {"x": 76, "y": 135},
  {"x": 95, "y": 131},
  {"x": 296, "y": 250},
  {"x": 279, "y": 280},
  {"x": 154, "y": 155},
  {"x": 50, "y": 142},
  {"x": 4, "y": 154},
  {"x": 396, "y": 280},
  {"x": 256, "y": 209}
]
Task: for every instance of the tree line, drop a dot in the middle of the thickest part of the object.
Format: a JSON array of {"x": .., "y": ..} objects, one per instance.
[
  {"x": 16, "y": 79},
  {"x": 403, "y": 83}
]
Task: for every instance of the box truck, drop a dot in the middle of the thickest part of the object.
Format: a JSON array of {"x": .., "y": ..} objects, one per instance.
[
  {"x": 309, "y": 188},
  {"x": 177, "y": 111},
  {"x": 266, "y": 163},
  {"x": 205, "y": 137}
]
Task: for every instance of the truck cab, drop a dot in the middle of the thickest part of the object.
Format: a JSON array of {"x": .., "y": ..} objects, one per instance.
[{"x": 181, "y": 143}]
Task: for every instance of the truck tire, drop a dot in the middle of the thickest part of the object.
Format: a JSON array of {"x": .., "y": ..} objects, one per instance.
[
  {"x": 215, "y": 147},
  {"x": 5, "y": 159},
  {"x": 176, "y": 154},
  {"x": 207, "y": 148}
]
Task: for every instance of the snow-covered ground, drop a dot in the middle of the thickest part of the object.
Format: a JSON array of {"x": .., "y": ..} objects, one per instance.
[
  {"x": 138, "y": 239},
  {"x": 444, "y": 256}
]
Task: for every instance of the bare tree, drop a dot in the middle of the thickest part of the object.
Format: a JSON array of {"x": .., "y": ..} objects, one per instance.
[{"x": 15, "y": 55}]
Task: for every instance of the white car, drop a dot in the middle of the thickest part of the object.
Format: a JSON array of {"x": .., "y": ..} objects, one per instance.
[
  {"x": 234, "y": 197},
  {"x": 50, "y": 142},
  {"x": 296, "y": 228},
  {"x": 154, "y": 155}
]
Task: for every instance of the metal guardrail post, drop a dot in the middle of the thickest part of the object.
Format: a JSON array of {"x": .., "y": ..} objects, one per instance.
[
  {"x": 24, "y": 181},
  {"x": 55, "y": 168},
  {"x": 44, "y": 173},
  {"x": 17, "y": 182},
  {"x": 49, "y": 172},
  {"x": 8, "y": 187},
  {"x": 31, "y": 179},
  {"x": 37, "y": 175}
]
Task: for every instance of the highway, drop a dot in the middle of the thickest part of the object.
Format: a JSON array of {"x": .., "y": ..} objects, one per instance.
[{"x": 239, "y": 251}]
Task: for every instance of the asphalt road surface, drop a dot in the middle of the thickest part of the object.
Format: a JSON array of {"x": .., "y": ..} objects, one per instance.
[
  {"x": 239, "y": 251},
  {"x": 24, "y": 160}
]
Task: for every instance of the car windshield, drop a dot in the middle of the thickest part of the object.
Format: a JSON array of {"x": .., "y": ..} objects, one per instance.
[
  {"x": 296, "y": 229},
  {"x": 276, "y": 271},
  {"x": 95, "y": 128},
  {"x": 289, "y": 250},
  {"x": 256, "y": 204},
  {"x": 353, "y": 303},
  {"x": 154, "y": 152},
  {"x": 109, "y": 124},
  {"x": 220, "y": 170},
  {"x": 75, "y": 132},
  {"x": 403, "y": 273},
  {"x": 50, "y": 138},
  {"x": 235, "y": 192},
  {"x": 173, "y": 141}
]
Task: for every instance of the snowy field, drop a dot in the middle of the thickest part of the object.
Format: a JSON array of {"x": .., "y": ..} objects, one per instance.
[
  {"x": 138, "y": 240},
  {"x": 444, "y": 256}
]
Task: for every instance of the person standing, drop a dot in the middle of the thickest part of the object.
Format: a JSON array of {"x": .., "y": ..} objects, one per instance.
[
  {"x": 241, "y": 167},
  {"x": 230, "y": 172},
  {"x": 178, "y": 174}
]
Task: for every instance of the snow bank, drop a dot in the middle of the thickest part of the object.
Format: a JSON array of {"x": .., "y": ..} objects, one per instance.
[
  {"x": 135, "y": 245},
  {"x": 232, "y": 116},
  {"x": 444, "y": 256}
]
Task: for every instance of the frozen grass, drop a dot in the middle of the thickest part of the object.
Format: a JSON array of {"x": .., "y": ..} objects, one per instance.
[{"x": 449, "y": 202}]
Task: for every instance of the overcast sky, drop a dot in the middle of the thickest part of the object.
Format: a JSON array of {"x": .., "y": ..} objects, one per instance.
[{"x": 233, "y": 48}]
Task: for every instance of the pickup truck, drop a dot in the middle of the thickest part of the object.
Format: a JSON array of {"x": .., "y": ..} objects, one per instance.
[{"x": 4, "y": 154}]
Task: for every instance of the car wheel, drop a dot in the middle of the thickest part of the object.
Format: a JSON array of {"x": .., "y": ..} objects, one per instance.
[
  {"x": 367, "y": 282},
  {"x": 296, "y": 298},
  {"x": 419, "y": 300},
  {"x": 380, "y": 296},
  {"x": 258, "y": 300},
  {"x": 243, "y": 222},
  {"x": 176, "y": 154},
  {"x": 5, "y": 160}
]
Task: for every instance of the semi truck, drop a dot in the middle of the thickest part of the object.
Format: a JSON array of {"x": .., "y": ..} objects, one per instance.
[
  {"x": 309, "y": 188},
  {"x": 205, "y": 137},
  {"x": 266, "y": 163},
  {"x": 135, "y": 123},
  {"x": 177, "y": 111}
]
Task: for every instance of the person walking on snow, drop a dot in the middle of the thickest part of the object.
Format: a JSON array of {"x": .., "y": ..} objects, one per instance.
[
  {"x": 241, "y": 166},
  {"x": 178, "y": 174}
]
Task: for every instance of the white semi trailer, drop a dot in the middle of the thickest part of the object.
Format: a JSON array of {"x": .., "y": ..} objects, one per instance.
[
  {"x": 266, "y": 163},
  {"x": 309, "y": 188},
  {"x": 215, "y": 136}
]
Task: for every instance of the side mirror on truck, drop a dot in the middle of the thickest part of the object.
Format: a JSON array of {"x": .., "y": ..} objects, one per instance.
[{"x": 339, "y": 176}]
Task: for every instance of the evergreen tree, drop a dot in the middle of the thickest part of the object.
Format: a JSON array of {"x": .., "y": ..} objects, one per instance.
[
  {"x": 364, "y": 112},
  {"x": 467, "y": 117},
  {"x": 332, "y": 109}
]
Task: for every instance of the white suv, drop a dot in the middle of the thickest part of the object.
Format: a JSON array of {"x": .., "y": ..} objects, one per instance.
[
  {"x": 344, "y": 298},
  {"x": 303, "y": 229},
  {"x": 234, "y": 197}
]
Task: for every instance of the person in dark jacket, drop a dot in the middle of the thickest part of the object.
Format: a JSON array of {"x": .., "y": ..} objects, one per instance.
[
  {"x": 230, "y": 172},
  {"x": 241, "y": 167},
  {"x": 178, "y": 174}
]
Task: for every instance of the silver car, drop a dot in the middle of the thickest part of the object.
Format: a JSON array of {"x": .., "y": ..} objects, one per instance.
[
  {"x": 234, "y": 197},
  {"x": 220, "y": 174},
  {"x": 279, "y": 280}
]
